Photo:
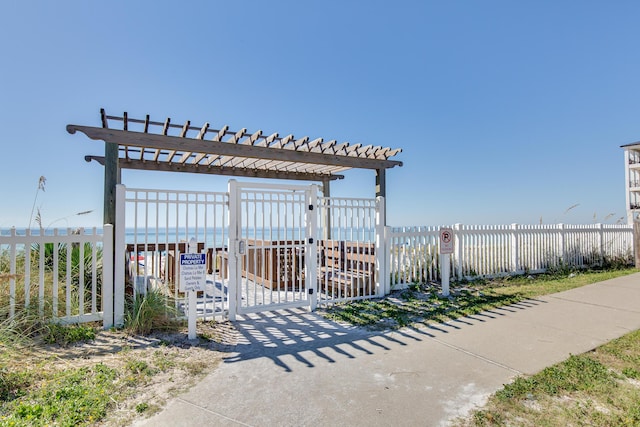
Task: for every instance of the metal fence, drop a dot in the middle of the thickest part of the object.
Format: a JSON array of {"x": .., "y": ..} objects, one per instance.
[
  {"x": 58, "y": 275},
  {"x": 497, "y": 250}
]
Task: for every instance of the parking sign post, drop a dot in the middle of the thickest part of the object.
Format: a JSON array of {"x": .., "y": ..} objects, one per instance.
[{"x": 446, "y": 249}]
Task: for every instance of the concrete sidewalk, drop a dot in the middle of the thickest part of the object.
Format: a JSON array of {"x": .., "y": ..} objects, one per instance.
[{"x": 297, "y": 369}]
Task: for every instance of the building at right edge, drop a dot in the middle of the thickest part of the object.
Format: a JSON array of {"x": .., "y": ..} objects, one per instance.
[{"x": 632, "y": 180}]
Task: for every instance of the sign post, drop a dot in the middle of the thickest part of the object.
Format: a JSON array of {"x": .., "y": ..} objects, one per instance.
[
  {"x": 193, "y": 278},
  {"x": 446, "y": 249}
]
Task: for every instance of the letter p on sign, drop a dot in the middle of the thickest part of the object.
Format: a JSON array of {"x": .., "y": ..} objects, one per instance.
[{"x": 446, "y": 241}]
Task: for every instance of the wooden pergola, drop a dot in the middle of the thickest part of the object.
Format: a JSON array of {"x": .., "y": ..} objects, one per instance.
[{"x": 146, "y": 144}]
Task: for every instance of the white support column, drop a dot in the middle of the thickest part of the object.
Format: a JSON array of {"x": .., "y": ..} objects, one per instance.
[
  {"x": 107, "y": 277},
  {"x": 458, "y": 249},
  {"x": 601, "y": 243},
  {"x": 515, "y": 248},
  {"x": 120, "y": 257},
  {"x": 445, "y": 268},
  {"x": 232, "y": 283},
  {"x": 311, "y": 248},
  {"x": 563, "y": 255},
  {"x": 383, "y": 286}
]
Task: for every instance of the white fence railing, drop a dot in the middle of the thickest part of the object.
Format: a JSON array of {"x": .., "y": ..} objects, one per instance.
[
  {"x": 505, "y": 249},
  {"x": 60, "y": 275},
  {"x": 64, "y": 276}
]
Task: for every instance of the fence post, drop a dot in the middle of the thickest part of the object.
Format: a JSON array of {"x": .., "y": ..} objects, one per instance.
[
  {"x": 515, "y": 248},
  {"x": 107, "y": 276},
  {"x": 601, "y": 236},
  {"x": 233, "y": 243},
  {"x": 458, "y": 249},
  {"x": 381, "y": 254},
  {"x": 562, "y": 244},
  {"x": 119, "y": 251},
  {"x": 311, "y": 257}
]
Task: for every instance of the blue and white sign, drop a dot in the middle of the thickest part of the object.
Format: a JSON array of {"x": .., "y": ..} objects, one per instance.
[{"x": 193, "y": 272}]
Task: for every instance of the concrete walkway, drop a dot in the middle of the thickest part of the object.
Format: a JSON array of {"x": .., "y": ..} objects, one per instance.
[{"x": 297, "y": 369}]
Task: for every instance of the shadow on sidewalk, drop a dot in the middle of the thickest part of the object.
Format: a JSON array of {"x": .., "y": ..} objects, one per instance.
[{"x": 296, "y": 335}]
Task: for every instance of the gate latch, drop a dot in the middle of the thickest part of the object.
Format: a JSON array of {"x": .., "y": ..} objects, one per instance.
[
  {"x": 241, "y": 247},
  {"x": 310, "y": 291},
  {"x": 310, "y": 239},
  {"x": 310, "y": 207}
]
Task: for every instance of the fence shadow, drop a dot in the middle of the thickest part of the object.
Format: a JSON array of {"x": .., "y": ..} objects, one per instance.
[{"x": 296, "y": 338}]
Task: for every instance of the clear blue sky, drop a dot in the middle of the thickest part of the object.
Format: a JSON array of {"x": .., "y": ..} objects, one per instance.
[{"x": 506, "y": 111}]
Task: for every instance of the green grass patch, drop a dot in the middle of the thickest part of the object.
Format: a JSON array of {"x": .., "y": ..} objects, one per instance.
[
  {"x": 73, "y": 397},
  {"x": 422, "y": 303},
  {"x": 39, "y": 390},
  {"x": 55, "y": 333},
  {"x": 595, "y": 388},
  {"x": 37, "y": 393}
]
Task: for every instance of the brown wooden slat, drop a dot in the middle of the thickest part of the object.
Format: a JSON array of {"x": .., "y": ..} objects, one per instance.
[
  {"x": 230, "y": 161},
  {"x": 201, "y": 134},
  {"x": 264, "y": 142},
  {"x": 231, "y": 141},
  {"x": 165, "y": 129},
  {"x": 183, "y": 134},
  {"x": 327, "y": 146},
  {"x": 146, "y": 130},
  {"x": 103, "y": 118},
  {"x": 125, "y": 127},
  {"x": 218, "y": 137}
]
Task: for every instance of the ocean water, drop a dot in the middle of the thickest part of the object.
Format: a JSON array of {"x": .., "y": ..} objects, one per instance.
[{"x": 212, "y": 237}]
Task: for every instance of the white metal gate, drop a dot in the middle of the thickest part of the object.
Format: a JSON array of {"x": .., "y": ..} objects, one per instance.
[
  {"x": 153, "y": 228},
  {"x": 268, "y": 246},
  {"x": 271, "y": 246}
]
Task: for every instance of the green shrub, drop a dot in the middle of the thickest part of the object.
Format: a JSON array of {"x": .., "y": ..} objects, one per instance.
[
  {"x": 148, "y": 312},
  {"x": 68, "y": 334}
]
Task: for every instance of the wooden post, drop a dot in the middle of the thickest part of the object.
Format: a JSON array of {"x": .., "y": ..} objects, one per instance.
[
  {"x": 326, "y": 221},
  {"x": 111, "y": 179},
  {"x": 636, "y": 242}
]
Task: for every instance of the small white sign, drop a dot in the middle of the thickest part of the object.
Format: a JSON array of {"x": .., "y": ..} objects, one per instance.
[
  {"x": 446, "y": 241},
  {"x": 193, "y": 272}
]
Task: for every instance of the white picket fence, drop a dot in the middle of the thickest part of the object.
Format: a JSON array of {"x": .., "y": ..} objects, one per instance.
[
  {"x": 62, "y": 272},
  {"x": 497, "y": 250},
  {"x": 33, "y": 268}
]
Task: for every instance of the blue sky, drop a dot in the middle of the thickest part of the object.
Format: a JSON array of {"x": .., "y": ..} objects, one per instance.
[{"x": 506, "y": 111}]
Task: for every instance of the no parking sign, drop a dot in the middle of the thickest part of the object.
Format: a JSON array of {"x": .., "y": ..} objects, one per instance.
[{"x": 446, "y": 241}]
